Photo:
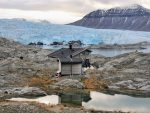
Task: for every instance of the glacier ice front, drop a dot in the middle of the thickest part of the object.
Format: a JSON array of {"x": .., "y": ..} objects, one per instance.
[{"x": 28, "y": 31}]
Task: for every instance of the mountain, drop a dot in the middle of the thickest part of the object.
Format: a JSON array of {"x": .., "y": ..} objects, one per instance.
[
  {"x": 25, "y": 31},
  {"x": 134, "y": 17}
]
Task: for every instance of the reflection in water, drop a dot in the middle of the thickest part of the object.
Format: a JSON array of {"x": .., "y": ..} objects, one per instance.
[
  {"x": 96, "y": 101},
  {"x": 50, "y": 99},
  {"x": 75, "y": 99},
  {"x": 116, "y": 102}
]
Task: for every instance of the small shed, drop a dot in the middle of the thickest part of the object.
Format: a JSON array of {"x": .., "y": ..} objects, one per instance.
[
  {"x": 70, "y": 66},
  {"x": 71, "y": 60}
]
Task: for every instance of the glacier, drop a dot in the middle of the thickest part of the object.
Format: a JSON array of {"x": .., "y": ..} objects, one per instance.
[{"x": 25, "y": 31}]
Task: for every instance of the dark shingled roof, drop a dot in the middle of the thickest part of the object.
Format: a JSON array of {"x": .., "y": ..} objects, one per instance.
[{"x": 67, "y": 52}]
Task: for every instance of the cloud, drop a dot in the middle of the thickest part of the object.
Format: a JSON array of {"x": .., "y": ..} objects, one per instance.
[
  {"x": 78, "y": 6},
  {"x": 74, "y": 8},
  {"x": 46, "y": 5},
  {"x": 58, "y": 17}
]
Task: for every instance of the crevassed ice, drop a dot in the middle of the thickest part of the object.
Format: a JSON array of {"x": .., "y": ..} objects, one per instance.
[{"x": 29, "y": 31}]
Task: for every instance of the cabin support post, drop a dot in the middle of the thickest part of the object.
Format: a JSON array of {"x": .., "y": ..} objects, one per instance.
[{"x": 71, "y": 65}]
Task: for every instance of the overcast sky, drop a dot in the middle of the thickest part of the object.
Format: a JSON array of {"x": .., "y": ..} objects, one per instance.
[{"x": 59, "y": 11}]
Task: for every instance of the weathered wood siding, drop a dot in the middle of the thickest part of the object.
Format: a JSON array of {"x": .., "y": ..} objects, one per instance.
[
  {"x": 59, "y": 66},
  {"x": 67, "y": 68}
]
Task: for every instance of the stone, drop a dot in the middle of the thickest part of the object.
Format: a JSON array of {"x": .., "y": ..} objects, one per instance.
[
  {"x": 139, "y": 80},
  {"x": 2, "y": 82},
  {"x": 113, "y": 87},
  {"x": 70, "y": 83},
  {"x": 2, "y": 74},
  {"x": 124, "y": 83},
  {"x": 32, "y": 91},
  {"x": 24, "y": 91},
  {"x": 131, "y": 87},
  {"x": 145, "y": 88}
]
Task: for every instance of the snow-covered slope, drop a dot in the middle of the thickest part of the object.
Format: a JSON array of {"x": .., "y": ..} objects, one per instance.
[
  {"x": 134, "y": 17},
  {"x": 28, "y": 31}
]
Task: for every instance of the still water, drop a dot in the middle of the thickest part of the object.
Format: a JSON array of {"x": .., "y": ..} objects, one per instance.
[
  {"x": 115, "y": 52},
  {"x": 104, "y": 52},
  {"x": 97, "y": 101},
  {"x": 100, "y": 101}
]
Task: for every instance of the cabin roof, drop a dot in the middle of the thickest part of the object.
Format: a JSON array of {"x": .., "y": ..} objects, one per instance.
[
  {"x": 70, "y": 60},
  {"x": 67, "y": 52}
]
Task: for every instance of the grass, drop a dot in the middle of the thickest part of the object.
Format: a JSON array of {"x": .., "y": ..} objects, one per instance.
[
  {"x": 42, "y": 78},
  {"x": 40, "y": 81},
  {"x": 94, "y": 83}
]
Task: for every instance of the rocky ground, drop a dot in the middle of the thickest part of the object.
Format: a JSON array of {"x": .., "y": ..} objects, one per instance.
[
  {"x": 27, "y": 71},
  {"x": 24, "y": 107},
  {"x": 18, "y": 62},
  {"x": 129, "y": 71}
]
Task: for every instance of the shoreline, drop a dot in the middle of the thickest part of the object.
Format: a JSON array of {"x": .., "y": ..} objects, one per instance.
[{"x": 140, "y": 45}]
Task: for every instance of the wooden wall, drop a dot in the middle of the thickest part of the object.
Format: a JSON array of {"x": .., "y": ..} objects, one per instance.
[{"x": 74, "y": 69}]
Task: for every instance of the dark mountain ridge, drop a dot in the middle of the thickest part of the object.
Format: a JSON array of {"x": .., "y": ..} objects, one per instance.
[{"x": 134, "y": 17}]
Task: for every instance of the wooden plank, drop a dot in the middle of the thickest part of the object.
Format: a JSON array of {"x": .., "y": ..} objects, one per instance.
[{"x": 76, "y": 69}]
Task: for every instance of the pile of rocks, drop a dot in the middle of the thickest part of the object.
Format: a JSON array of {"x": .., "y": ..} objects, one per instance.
[{"x": 71, "y": 83}]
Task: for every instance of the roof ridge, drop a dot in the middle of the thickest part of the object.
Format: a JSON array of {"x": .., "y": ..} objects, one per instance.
[
  {"x": 66, "y": 52},
  {"x": 56, "y": 51},
  {"x": 77, "y": 52}
]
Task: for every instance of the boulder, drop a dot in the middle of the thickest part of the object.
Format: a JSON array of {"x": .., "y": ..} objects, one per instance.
[
  {"x": 145, "y": 88},
  {"x": 124, "y": 83},
  {"x": 139, "y": 80},
  {"x": 70, "y": 83},
  {"x": 32, "y": 91},
  {"x": 113, "y": 87},
  {"x": 40, "y": 43},
  {"x": 24, "y": 91},
  {"x": 32, "y": 43}
]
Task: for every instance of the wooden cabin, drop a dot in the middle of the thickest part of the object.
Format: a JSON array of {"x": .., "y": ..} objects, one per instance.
[{"x": 71, "y": 60}]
